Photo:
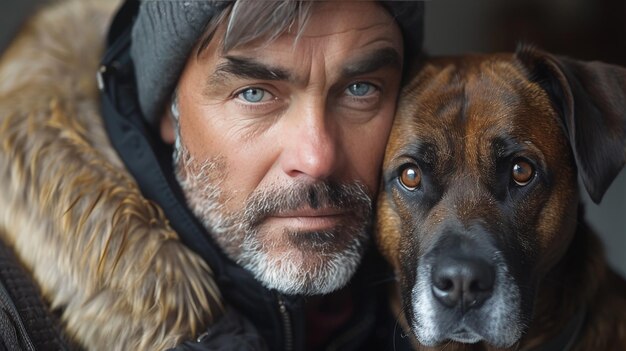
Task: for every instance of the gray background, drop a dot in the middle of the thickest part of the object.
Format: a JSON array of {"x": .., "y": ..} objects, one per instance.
[{"x": 586, "y": 29}]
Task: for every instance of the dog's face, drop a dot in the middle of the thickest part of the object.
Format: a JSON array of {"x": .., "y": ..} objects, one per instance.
[{"x": 479, "y": 196}]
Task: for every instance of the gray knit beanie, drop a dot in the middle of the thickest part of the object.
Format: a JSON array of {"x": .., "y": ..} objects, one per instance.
[{"x": 165, "y": 31}]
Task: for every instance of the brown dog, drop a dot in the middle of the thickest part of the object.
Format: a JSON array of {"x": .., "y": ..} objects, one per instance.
[{"x": 479, "y": 209}]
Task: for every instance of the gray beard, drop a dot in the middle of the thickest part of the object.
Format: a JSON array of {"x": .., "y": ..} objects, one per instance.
[{"x": 316, "y": 263}]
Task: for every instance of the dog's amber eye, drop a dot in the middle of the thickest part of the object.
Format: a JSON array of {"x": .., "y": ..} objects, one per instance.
[
  {"x": 411, "y": 177},
  {"x": 522, "y": 172}
]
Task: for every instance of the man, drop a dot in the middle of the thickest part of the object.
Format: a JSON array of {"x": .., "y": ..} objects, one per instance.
[{"x": 259, "y": 127}]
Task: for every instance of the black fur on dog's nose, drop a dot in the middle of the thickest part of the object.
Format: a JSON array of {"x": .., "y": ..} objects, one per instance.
[{"x": 462, "y": 281}]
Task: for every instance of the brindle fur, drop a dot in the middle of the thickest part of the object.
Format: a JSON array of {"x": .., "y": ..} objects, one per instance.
[{"x": 456, "y": 117}]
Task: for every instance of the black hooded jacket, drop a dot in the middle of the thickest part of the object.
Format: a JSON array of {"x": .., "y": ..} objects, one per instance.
[{"x": 278, "y": 319}]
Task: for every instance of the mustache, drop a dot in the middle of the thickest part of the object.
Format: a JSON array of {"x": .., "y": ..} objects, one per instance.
[{"x": 352, "y": 197}]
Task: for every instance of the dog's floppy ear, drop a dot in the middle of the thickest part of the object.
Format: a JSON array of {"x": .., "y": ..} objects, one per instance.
[{"x": 591, "y": 99}]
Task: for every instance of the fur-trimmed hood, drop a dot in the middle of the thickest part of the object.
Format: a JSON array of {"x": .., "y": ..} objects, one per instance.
[{"x": 101, "y": 253}]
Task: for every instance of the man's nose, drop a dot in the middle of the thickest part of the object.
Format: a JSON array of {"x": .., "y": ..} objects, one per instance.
[{"x": 310, "y": 144}]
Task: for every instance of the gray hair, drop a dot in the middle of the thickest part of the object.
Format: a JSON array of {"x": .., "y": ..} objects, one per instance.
[{"x": 249, "y": 20}]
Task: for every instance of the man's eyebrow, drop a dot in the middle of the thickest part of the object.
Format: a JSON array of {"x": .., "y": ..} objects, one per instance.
[
  {"x": 247, "y": 68},
  {"x": 386, "y": 57}
]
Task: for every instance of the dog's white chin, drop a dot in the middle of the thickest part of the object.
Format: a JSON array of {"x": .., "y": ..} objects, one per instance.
[{"x": 466, "y": 337}]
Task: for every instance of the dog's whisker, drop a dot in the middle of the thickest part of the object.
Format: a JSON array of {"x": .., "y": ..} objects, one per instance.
[
  {"x": 446, "y": 345},
  {"x": 395, "y": 328}
]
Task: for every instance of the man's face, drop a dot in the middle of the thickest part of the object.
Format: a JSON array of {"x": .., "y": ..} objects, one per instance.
[{"x": 279, "y": 145}]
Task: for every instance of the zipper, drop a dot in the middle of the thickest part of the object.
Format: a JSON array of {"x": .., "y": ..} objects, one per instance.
[{"x": 287, "y": 325}]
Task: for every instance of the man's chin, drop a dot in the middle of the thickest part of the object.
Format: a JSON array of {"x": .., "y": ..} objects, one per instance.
[{"x": 297, "y": 272}]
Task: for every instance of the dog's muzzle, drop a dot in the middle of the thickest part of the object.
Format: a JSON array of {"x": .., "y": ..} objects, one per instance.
[{"x": 464, "y": 292}]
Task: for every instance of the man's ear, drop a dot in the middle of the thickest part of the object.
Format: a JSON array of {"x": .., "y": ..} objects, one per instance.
[
  {"x": 591, "y": 100},
  {"x": 167, "y": 128}
]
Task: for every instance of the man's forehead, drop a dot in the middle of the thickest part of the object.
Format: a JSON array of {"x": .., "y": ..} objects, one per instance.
[{"x": 334, "y": 17}]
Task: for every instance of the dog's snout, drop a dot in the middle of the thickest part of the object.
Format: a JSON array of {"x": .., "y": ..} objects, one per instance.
[{"x": 462, "y": 282}]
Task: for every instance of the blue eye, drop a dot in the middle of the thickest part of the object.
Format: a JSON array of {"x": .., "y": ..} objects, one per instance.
[
  {"x": 253, "y": 95},
  {"x": 361, "y": 89}
]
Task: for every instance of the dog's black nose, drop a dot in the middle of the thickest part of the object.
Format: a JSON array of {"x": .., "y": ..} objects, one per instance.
[{"x": 466, "y": 282}]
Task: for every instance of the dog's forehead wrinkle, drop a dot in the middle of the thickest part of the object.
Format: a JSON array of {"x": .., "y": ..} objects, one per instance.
[
  {"x": 492, "y": 103},
  {"x": 423, "y": 149},
  {"x": 465, "y": 190},
  {"x": 452, "y": 83}
]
